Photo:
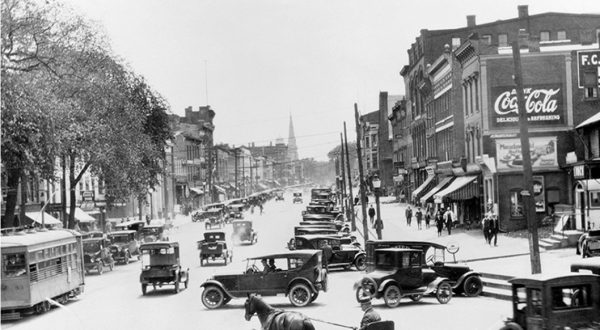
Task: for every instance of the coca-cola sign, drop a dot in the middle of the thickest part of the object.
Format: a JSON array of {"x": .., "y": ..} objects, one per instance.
[{"x": 543, "y": 105}]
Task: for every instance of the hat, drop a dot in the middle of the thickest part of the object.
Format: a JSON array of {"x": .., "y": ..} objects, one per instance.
[{"x": 364, "y": 299}]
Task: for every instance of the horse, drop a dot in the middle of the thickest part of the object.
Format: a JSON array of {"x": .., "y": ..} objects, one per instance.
[{"x": 275, "y": 319}]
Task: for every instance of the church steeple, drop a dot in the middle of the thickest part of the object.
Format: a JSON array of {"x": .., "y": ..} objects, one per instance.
[{"x": 292, "y": 148}]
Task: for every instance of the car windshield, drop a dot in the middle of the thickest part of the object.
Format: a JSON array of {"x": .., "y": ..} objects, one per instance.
[
  {"x": 91, "y": 246},
  {"x": 121, "y": 239},
  {"x": 151, "y": 231}
]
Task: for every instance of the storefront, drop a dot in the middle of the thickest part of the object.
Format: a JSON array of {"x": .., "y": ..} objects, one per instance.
[
  {"x": 424, "y": 187},
  {"x": 463, "y": 196}
]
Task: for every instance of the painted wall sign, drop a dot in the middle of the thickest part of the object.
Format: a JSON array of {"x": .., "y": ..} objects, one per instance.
[
  {"x": 543, "y": 103},
  {"x": 543, "y": 154},
  {"x": 586, "y": 60}
]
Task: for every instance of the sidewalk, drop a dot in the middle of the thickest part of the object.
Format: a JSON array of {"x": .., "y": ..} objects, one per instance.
[{"x": 510, "y": 257}]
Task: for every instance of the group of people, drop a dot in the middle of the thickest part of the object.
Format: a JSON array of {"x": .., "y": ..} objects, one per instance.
[{"x": 442, "y": 218}]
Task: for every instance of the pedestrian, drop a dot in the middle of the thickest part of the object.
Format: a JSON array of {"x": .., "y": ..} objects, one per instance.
[
  {"x": 419, "y": 216},
  {"x": 485, "y": 226},
  {"x": 356, "y": 200},
  {"x": 378, "y": 226},
  {"x": 261, "y": 209},
  {"x": 108, "y": 227},
  {"x": 408, "y": 216},
  {"x": 327, "y": 253},
  {"x": 370, "y": 315},
  {"x": 494, "y": 229},
  {"x": 427, "y": 218},
  {"x": 147, "y": 219},
  {"x": 439, "y": 222},
  {"x": 252, "y": 210},
  {"x": 449, "y": 220},
  {"x": 372, "y": 214}
]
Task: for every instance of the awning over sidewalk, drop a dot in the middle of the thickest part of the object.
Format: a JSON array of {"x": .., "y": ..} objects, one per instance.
[
  {"x": 262, "y": 186},
  {"x": 197, "y": 191},
  {"x": 462, "y": 188},
  {"x": 82, "y": 216},
  {"x": 220, "y": 189},
  {"x": 423, "y": 188},
  {"x": 48, "y": 219},
  {"x": 428, "y": 197}
]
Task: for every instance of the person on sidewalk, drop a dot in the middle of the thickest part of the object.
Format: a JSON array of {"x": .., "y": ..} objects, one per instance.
[
  {"x": 378, "y": 225},
  {"x": 494, "y": 229},
  {"x": 439, "y": 221},
  {"x": 419, "y": 216},
  {"x": 427, "y": 218},
  {"x": 408, "y": 216},
  {"x": 372, "y": 214},
  {"x": 485, "y": 226},
  {"x": 449, "y": 220}
]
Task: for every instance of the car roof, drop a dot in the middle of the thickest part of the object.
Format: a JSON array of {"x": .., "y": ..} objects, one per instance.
[
  {"x": 241, "y": 221},
  {"x": 289, "y": 254},
  {"x": 122, "y": 232},
  {"x": 310, "y": 237},
  {"x": 153, "y": 226},
  {"x": 397, "y": 250},
  {"x": 407, "y": 243},
  {"x": 158, "y": 245},
  {"x": 550, "y": 278}
]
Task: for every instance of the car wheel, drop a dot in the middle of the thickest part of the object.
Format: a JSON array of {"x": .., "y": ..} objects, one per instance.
[
  {"x": 87, "y": 272},
  {"x": 360, "y": 263},
  {"x": 367, "y": 287},
  {"x": 300, "y": 295},
  {"x": 392, "y": 296},
  {"x": 415, "y": 297},
  {"x": 472, "y": 286},
  {"x": 144, "y": 287},
  {"x": 511, "y": 326},
  {"x": 444, "y": 292},
  {"x": 176, "y": 286},
  {"x": 100, "y": 268},
  {"x": 63, "y": 299},
  {"x": 212, "y": 297}
]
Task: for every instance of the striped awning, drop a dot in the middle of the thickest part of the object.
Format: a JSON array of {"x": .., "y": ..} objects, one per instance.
[
  {"x": 220, "y": 189},
  {"x": 462, "y": 188},
  {"x": 82, "y": 216},
  {"x": 428, "y": 197},
  {"x": 197, "y": 191},
  {"x": 423, "y": 188}
]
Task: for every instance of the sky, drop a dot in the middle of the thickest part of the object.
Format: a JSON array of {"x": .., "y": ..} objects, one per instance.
[{"x": 257, "y": 63}]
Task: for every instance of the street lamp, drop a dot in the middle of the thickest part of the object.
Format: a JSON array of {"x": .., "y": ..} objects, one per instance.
[{"x": 376, "y": 189}]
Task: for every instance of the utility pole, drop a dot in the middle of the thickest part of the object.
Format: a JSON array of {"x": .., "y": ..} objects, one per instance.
[
  {"x": 351, "y": 201},
  {"x": 528, "y": 196},
  {"x": 343, "y": 174},
  {"x": 360, "y": 172},
  {"x": 237, "y": 190}
]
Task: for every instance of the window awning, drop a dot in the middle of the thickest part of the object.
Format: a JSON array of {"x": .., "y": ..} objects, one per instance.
[
  {"x": 462, "y": 188},
  {"x": 197, "y": 191},
  {"x": 592, "y": 120},
  {"x": 82, "y": 216},
  {"x": 220, "y": 189},
  {"x": 262, "y": 186},
  {"x": 423, "y": 188},
  {"x": 48, "y": 219},
  {"x": 428, "y": 197}
]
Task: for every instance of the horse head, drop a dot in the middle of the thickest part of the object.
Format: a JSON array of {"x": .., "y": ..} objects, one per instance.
[{"x": 249, "y": 307}]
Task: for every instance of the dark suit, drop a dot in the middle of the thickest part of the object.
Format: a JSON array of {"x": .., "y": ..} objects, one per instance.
[
  {"x": 494, "y": 228},
  {"x": 370, "y": 316}
]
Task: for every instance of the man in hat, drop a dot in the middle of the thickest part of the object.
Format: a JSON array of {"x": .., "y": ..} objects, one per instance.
[{"x": 370, "y": 315}]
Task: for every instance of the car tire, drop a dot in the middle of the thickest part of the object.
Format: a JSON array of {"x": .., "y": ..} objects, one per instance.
[
  {"x": 444, "y": 292},
  {"x": 360, "y": 263},
  {"x": 100, "y": 268},
  {"x": 472, "y": 286},
  {"x": 415, "y": 297},
  {"x": 212, "y": 297},
  {"x": 201, "y": 262},
  {"x": 392, "y": 296},
  {"x": 300, "y": 295},
  {"x": 511, "y": 326},
  {"x": 144, "y": 287}
]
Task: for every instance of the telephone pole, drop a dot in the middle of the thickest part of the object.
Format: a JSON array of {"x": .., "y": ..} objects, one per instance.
[
  {"x": 351, "y": 201},
  {"x": 362, "y": 181}
]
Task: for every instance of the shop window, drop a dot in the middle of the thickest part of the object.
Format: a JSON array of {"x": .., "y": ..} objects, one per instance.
[
  {"x": 516, "y": 203},
  {"x": 590, "y": 84},
  {"x": 595, "y": 199},
  {"x": 502, "y": 40}
]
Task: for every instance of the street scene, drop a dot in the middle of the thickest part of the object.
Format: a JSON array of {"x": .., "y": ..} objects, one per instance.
[{"x": 237, "y": 165}]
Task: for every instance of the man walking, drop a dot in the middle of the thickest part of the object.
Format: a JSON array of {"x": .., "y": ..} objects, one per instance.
[
  {"x": 419, "y": 216},
  {"x": 372, "y": 214},
  {"x": 408, "y": 216},
  {"x": 449, "y": 220},
  {"x": 494, "y": 229},
  {"x": 378, "y": 227}
]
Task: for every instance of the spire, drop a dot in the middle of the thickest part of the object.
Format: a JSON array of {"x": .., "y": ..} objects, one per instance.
[{"x": 292, "y": 148}]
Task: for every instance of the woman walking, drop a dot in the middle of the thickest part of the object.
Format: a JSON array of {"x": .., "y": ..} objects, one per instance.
[{"x": 439, "y": 221}]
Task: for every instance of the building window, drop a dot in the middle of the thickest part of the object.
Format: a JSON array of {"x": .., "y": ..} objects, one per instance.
[
  {"x": 516, "y": 203},
  {"x": 590, "y": 84},
  {"x": 502, "y": 40},
  {"x": 544, "y": 36},
  {"x": 561, "y": 35},
  {"x": 455, "y": 42},
  {"x": 487, "y": 38}
]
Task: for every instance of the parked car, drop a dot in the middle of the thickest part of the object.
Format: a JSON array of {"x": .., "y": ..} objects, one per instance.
[
  {"x": 400, "y": 273},
  {"x": 462, "y": 278},
  {"x": 243, "y": 232},
  {"x": 213, "y": 247},
  {"x": 236, "y": 211},
  {"x": 591, "y": 265},
  {"x": 215, "y": 217},
  {"x": 588, "y": 244},
  {"x": 344, "y": 255},
  {"x": 160, "y": 266},
  {"x": 297, "y": 198},
  {"x": 97, "y": 254},
  {"x": 154, "y": 233},
  {"x": 135, "y": 225},
  {"x": 298, "y": 275},
  {"x": 314, "y": 230},
  {"x": 279, "y": 196},
  {"x": 125, "y": 245},
  {"x": 568, "y": 301},
  {"x": 199, "y": 215}
]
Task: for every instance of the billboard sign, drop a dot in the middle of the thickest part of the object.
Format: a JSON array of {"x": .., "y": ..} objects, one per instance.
[
  {"x": 587, "y": 61},
  {"x": 543, "y": 154},
  {"x": 543, "y": 104}
]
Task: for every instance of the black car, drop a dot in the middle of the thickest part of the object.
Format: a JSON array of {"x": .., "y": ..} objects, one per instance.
[
  {"x": 125, "y": 244},
  {"x": 213, "y": 247},
  {"x": 588, "y": 244},
  {"x": 243, "y": 232},
  {"x": 344, "y": 255},
  {"x": 460, "y": 276}
]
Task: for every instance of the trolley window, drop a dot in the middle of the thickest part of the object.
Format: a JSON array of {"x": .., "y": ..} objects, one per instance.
[{"x": 14, "y": 264}]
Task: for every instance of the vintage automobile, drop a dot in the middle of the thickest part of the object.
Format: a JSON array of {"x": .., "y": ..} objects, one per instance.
[
  {"x": 154, "y": 233},
  {"x": 400, "y": 273},
  {"x": 239, "y": 201},
  {"x": 279, "y": 196},
  {"x": 93, "y": 234},
  {"x": 588, "y": 244},
  {"x": 213, "y": 247},
  {"x": 214, "y": 218},
  {"x": 236, "y": 211},
  {"x": 568, "y": 301},
  {"x": 591, "y": 265},
  {"x": 125, "y": 245},
  {"x": 298, "y": 275},
  {"x": 344, "y": 255},
  {"x": 314, "y": 230},
  {"x": 135, "y": 225},
  {"x": 160, "y": 266},
  {"x": 320, "y": 223},
  {"x": 199, "y": 215},
  {"x": 243, "y": 232},
  {"x": 297, "y": 198},
  {"x": 462, "y": 278},
  {"x": 96, "y": 254}
]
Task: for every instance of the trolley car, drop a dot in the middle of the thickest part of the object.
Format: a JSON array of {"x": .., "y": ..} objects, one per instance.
[{"x": 37, "y": 265}]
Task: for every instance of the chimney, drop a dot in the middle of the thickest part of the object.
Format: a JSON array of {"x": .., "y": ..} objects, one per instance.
[
  {"x": 471, "y": 21},
  {"x": 523, "y": 11}
]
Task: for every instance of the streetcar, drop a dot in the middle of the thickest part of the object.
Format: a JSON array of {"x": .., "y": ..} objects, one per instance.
[{"x": 37, "y": 265}]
